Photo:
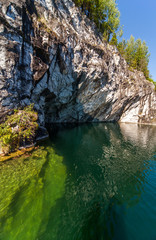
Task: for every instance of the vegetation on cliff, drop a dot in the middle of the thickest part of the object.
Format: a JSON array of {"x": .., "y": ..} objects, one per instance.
[
  {"x": 106, "y": 16},
  {"x": 135, "y": 53},
  {"x": 18, "y": 129},
  {"x": 104, "y": 13}
]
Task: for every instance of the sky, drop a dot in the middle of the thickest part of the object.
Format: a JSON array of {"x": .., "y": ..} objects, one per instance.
[{"x": 138, "y": 18}]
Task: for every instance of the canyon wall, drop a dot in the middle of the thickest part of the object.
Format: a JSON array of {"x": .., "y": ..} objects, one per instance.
[{"x": 52, "y": 55}]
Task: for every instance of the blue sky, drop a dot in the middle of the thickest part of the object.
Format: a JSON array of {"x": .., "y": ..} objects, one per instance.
[{"x": 138, "y": 18}]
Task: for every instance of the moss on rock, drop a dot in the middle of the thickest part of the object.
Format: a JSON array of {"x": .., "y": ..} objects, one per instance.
[{"x": 18, "y": 129}]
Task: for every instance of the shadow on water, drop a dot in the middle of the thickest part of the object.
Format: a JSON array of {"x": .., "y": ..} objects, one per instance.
[
  {"x": 104, "y": 223},
  {"x": 101, "y": 194}
]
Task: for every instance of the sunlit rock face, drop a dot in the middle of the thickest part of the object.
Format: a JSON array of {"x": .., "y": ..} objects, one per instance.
[{"x": 53, "y": 56}]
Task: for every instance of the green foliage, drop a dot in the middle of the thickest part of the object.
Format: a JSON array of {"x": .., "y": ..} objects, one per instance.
[
  {"x": 122, "y": 47},
  {"x": 104, "y": 13},
  {"x": 18, "y": 128},
  {"x": 136, "y": 54},
  {"x": 107, "y": 18},
  {"x": 114, "y": 40}
]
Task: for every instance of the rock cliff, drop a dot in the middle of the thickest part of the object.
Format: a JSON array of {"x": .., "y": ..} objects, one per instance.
[{"x": 52, "y": 55}]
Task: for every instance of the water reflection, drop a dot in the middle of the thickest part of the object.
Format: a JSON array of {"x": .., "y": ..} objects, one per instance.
[
  {"x": 143, "y": 135},
  {"x": 106, "y": 191},
  {"x": 108, "y": 174}
]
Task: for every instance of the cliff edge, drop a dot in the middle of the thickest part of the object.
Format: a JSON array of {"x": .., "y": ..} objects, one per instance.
[{"x": 52, "y": 55}]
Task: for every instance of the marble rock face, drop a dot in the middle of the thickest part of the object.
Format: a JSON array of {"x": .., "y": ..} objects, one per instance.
[{"x": 53, "y": 56}]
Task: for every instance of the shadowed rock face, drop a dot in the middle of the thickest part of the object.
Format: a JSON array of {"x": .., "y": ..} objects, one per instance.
[{"x": 51, "y": 55}]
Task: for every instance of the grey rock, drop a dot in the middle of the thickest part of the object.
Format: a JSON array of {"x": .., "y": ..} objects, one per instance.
[{"x": 52, "y": 55}]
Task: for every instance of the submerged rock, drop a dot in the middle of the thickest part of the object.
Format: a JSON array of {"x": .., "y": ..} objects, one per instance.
[{"x": 52, "y": 55}]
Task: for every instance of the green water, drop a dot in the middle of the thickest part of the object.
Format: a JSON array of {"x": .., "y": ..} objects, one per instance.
[{"x": 91, "y": 182}]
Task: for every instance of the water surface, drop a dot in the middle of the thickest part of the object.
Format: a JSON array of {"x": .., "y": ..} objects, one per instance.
[{"x": 91, "y": 182}]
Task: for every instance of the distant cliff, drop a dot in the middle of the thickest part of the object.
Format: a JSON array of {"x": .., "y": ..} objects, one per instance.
[{"x": 52, "y": 55}]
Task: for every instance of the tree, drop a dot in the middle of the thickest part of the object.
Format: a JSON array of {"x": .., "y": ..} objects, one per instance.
[
  {"x": 106, "y": 16},
  {"x": 112, "y": 18},
  {"x": 142, "y": 57},
  {"x": 122, "y": 47},
  {"x": 136, "y": 54},
  {"x": 104, "y": 13},
  {"x": 130, "y": 52},
  {"x": 114, "y": 40}
]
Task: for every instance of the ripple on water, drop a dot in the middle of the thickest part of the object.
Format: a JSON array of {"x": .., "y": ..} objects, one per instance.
[{"x": 103, "y": 187}]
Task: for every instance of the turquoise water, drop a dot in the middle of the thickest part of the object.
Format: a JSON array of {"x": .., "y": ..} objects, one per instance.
[{"x": 91, "y": 182}]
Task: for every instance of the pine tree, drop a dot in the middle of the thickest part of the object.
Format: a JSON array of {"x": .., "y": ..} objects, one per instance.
[
  {"x": 114, "y": 40},
  {"x": 104, "y": 13},
  {"x": 136, "y": 54}
]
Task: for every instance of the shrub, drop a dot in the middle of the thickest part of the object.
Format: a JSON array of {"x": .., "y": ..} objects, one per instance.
[{"x": 18, "y": 129}]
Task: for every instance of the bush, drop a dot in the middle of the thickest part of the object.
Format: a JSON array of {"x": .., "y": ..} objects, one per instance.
[{"x": 18, "y": 129}]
